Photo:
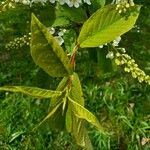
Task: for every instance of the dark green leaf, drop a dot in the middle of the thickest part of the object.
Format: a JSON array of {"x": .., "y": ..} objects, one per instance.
[
  {"x": 77, "y": 15},
  {"x": 57, "y": 121},
  {"x": 106, "y": 24},
  {"x": 70, "y": 40},
  {"x": 96, "y": 4},
  {"x": 104, "y": 65},
  {"x": 61, "y": 22},
  {"x": 50, "y": 114},
  {"x": 46, "y": 52}
]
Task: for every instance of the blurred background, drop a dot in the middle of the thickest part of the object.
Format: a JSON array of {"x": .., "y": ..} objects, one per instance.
[{"x": 121, "y": 103}]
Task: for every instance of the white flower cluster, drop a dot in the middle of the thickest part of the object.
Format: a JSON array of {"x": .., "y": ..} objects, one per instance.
[
  {"x": 123, "y": 5},
  {"x": 24, "y": 2},
  {"x": 131, "y": 66},
  {"x": 19, "y": 42},
  {"x": 70, "y": 3},
  {"x": 115, "y": 43},
  {"x": 25, "y": 40},
  {"x": 58, "y": 35},
  {"x": 5, "y": 5}
]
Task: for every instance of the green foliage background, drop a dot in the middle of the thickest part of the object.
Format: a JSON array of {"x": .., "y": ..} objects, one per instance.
[{"x": 120, "y": 102}]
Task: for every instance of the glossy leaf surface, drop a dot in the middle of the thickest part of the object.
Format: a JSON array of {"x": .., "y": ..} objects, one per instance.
[{"x": 106, "y": 24}]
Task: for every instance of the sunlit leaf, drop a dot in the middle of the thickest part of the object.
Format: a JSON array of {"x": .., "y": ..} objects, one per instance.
[
  {"x": 46, "y": 51},
  {"x": 83, "y": 113},
  {"x": 77, "y": 95},
  {"x": 76, "y": 90},
  {"x": 106, "y": 24},
  {"x": 32, "y": 91}
]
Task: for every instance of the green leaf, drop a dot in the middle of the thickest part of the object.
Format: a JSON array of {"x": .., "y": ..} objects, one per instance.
[
  {"x": 57, "y": 121},
  {"x": 62, "y": 85},
  {"x": 68, "y": 121},
  {"x": 83, "y": 113},
  {"x": 76, "y": 94},
  {"x": 46, "y": 52},
  {"x": 77, "y": 15},
  {"x": 69, "y": 40},
  {"x": 61, "y": 22},
  {"x": 106, "y": 24},
  {"x": 96, "y": 4},
  {"x": 76, "y": 127},
  {"x": 32, "y": 91},
  {"x": 80, "y": 133},
  {"x": 50, "y": 114},
  {"x": 104, "y": 65},
  {"x": 76, "y": 90}
]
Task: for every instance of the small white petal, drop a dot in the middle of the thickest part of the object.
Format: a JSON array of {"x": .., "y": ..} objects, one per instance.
[{"x": 59, "y": 39}]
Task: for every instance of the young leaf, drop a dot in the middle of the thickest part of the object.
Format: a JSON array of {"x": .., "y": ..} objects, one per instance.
[
  {"x": 76, "y": 90},
  {"x": 32, "y": 91},
  {"x": 46, "y": 52},
  {"x": 106, "y": 24},
  {"x": 57, "y": 121},
  {"x": 83, "y": 113},
  {"x": 76, "y": 94},
  {"x": 60, "y": 88},
  {"x": 76, "y": 127}
]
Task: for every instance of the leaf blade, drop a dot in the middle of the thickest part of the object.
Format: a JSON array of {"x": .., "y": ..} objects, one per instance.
[
  {"x": 46, "y": 52},
  {"x": 83, "y": 113},
  {"x": 32, "y": 91},
  {"x": 105, "y": 25}
]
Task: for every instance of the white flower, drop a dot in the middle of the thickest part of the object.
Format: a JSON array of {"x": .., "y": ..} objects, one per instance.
[
  {"x": 16, "y": 1},
  {"x": 101, "y": 46},
  {"x": 110, "y": 55},
  {"x": 51, "y": 30},
  {"x": 75, "y": 3},
  {"x": 52, "y": 1},
  {"x": 116, "y": 41},
  {"x": 61, "y": 33},
  {"x": 62, "y": 2},
  {"x": 59, "y": 39},
  {"x": 87, "y": 1}
]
